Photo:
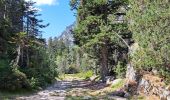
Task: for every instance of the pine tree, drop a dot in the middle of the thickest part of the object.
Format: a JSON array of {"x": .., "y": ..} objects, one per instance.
[{"x": 101, "y": 27}]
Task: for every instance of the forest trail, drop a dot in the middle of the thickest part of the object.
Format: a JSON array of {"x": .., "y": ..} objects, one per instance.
[
  {"x": 73, "y": 88},
  {"x": 58, "y": 91}
]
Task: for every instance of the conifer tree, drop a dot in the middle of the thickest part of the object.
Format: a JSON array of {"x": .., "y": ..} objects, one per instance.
[{"x": 101, "y": 27}]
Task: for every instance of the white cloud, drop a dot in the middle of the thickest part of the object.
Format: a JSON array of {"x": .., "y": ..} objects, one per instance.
[{"x": 45, "y": 2}]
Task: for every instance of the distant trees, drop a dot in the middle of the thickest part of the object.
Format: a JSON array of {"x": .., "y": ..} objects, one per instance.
[{"x": 69, "y": 57}]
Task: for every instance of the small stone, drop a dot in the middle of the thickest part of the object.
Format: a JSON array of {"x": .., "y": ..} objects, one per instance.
[
  {"x": 166, "y": 93},
  {"x": 109, "y": 79},
  {"x": 168, "y": 87},
  {"x": 127, "y": 95},
  {"x": 162, "y": 97},
  {"x": 87, "y": 97},
  {"x": 168, "y": 97},
  {"x": 155, "y": 72}
]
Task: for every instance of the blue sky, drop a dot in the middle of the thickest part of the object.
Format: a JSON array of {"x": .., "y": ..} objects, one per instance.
[{"x": 57, "y": 13}]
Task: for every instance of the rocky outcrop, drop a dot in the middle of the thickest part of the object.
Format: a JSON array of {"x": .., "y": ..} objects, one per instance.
[
  {"x": 148, "y": 85},
  {"x": 153, "y": 85}
]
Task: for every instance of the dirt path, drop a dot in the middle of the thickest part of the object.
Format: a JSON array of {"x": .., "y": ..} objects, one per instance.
[
  {"x": 73, "y": 89},
  {"x": 58, "y": 91}
]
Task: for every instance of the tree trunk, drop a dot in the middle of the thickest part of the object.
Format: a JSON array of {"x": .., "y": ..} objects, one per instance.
[
  {"x": 78, "y": 59},
  {"x": 104, "y": 62},
  {"x": 28, "y": 57},
  {"x": 18, "y": 56},
  {"x": 22, "y": 56}
]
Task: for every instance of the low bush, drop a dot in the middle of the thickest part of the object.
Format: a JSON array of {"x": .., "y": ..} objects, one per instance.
[
  {"x": 120, "y": 70},
  {"x": 72, "y": 70},
  {"x": 13, "y": 80},
  {"x": 85, "y": 75}
]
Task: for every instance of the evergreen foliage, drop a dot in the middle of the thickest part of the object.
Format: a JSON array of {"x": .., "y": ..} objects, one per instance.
[
  {"x": 149, "y": 22},
  {"x": 102, "y": 30},
  {"x": 24, "y": 61}
]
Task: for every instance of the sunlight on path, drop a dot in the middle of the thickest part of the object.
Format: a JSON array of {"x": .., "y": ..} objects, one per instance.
[{"x": 73, "y": 88}]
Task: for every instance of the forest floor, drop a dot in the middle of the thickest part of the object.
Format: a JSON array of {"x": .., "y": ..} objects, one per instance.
[{"x": 73, "y": 88}]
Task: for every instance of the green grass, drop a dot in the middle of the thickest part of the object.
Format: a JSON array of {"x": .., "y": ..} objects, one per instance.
[
  {"x": 141, "y": 98},
  {"x": 82, "y": 75},
  {"x": 138, "y": 98},
  {"x": 85, "y": 75},
  {"x": 119, "y": 85}
]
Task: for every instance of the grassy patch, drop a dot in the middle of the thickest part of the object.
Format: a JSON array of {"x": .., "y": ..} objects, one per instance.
[
  {"x": 85, "y": 75},
  {"x": 82, "y": 75},
  {"x": 118, "y": 85},
  {"x": 139, "y": 98}
]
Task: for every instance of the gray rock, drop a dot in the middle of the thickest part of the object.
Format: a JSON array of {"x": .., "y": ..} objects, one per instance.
[
  {"x": 130, "y": 73},
  {"x": 109, "y": 79},
  {"x": 127, "y": 95},
  {"x": 155, "y": 71},
  {"x": 145, "y": 86},
  {"x": 166, "y": 93},
  {"x": 87, "y": 97},
  {"x": 161, "y": 96},
  {"x": 116, "y": 98},
  {"x": 168, "y": 97}
]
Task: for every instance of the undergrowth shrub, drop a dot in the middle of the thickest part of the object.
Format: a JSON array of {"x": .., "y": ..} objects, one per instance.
[
  {"x": 72, "y": 69},
  {"x": 120, "y": 70},
  {"x": 85, "y": 75},
  {"x": 13, "y": 80},
  {"x": 150, "y": 25}
]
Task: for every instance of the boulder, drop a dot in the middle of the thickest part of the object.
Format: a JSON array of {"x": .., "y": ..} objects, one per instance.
[{"x": 109, "y": 79}]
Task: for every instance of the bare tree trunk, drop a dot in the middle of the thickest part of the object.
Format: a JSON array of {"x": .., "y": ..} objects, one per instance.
[
  {"x": 22, "y": 56},
  {"x": 27, "y": 57},
  {"x": 5, "y": 9},
  {"x": 104, "y": 62},
  {"x": 18, "y": 56},
  {"x": 27, "y": 51},
  {"x": 78, "y": 59}
]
